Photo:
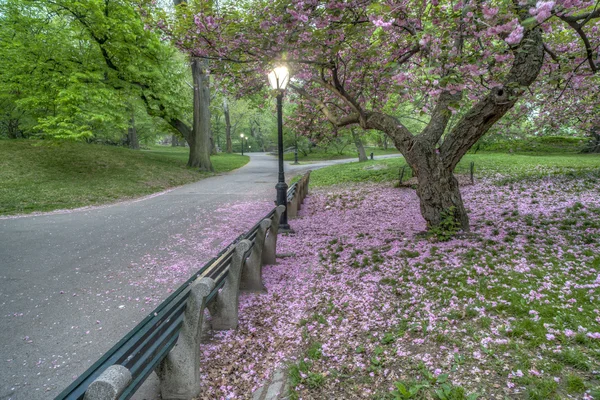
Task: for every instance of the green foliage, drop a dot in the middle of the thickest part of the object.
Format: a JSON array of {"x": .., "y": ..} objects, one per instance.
[
  {"x": 406, "y": 391},
  {"x": 528, "y": 145},
  {"x": 315, "y": 351},
  {"x": 45, "y": 176},
  {"x": 434, "y": 388},
  {"x": 257, "y": 124},
  {"x": 78, "y": 70},
  {"x": 448, "y": 227}
]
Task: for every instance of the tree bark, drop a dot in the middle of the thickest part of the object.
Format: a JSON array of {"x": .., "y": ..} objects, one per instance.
[
  {"x": 362, "y": 156},
  {"x": 227, "y": 127},
  {"x": 593, "y": 144},
  {"x": 132, "y": 138},
  {"x": 438, "y": 189},
  {"x": 200, "y": 140},
  {"x": 12, "y": 129}
]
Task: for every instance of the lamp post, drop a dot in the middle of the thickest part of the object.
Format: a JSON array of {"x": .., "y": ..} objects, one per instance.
[
  {"x": 279, "y": 79},
  {"x": 242, "y": 137}
]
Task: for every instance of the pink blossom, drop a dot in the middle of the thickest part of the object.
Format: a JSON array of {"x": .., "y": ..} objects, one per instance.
[
  {"x": 489, "y": 12},
  {"x": 515, "y": 36}
]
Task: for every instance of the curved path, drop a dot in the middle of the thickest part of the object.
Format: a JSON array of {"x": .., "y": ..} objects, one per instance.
[{"x": 73, "y": 283}]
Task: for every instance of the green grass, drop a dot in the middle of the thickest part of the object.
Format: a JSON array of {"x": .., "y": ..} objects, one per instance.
[
  {"x": 319, "y": 154},
  {"x": 542, "y": 144},
  {"x": 512, "y": 167},
  {"x": 45, "y": 176}
]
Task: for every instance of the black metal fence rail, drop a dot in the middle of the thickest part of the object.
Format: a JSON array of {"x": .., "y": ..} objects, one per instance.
[{"x": 123, "y": 369}]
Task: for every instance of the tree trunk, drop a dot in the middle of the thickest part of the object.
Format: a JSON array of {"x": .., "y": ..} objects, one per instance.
[
  {"x": 217, "y": 133},
  {"x": 593, "y": 144},
  {"x": 200, "y": 140},
  {"x": 227, "y": 127},
  {"x": 132, "y": 138},
  {"x": 385, "y": 142},
  {"x": 362, "y": 156},
  {"x": 438, "y": 189},
  {"x": 13, "y": 131}
]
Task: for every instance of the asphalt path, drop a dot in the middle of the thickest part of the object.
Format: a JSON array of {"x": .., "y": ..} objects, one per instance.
[{"x": 72, "y": 283}]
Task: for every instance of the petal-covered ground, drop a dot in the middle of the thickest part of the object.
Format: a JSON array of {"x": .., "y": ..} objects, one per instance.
[{"x": 370, "y": 307}]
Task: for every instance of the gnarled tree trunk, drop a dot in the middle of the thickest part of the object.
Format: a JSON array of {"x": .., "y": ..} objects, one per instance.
[{"x": 438, "y": 189}]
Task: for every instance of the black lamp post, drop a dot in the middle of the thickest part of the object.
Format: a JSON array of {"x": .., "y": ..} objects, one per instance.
[
  {"x": 242, "y": 137},
  {"x": 278, "y": 79}
]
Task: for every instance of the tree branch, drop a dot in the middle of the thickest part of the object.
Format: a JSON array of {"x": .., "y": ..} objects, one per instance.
[
  {"x": 551, "y": 53},
  {"x": 588, "y": 47},
  {"x": 440, "y": 117},
  {"x": 529, "y": 57},
  {"x": 339, "y": 122}
]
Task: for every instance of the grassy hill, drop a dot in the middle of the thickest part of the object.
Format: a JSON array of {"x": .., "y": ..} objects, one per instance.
[{"x": 45, "y": 176}]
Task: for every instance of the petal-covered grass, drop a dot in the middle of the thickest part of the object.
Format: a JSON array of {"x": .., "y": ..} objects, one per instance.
[{"x": 370, "y": 307}]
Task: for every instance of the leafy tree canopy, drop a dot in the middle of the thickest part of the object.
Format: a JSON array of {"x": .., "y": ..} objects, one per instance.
[{"x": 77, "y": 70}]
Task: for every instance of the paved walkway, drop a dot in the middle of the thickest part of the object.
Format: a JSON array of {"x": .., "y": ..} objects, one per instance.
[
  {"x": 277, "y": 388},
  {"x": 65, "y": 276}
]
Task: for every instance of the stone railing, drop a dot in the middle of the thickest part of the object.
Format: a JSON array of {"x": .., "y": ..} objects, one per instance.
[{"x": 168, "y": 340}]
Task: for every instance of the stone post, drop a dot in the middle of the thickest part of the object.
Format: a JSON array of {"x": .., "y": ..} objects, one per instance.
[
  {"x": 269, "y": 252},
  {"x": 224, "y": 309},
  {"x": 306, "y": 182},
  {"x": 109, "y": 385},
  {"x": 252, "y": 271},
  {"x": 179, "y": 372},
  {"x": 300, "y": 194},
  {"x": 293, "y": 205}
]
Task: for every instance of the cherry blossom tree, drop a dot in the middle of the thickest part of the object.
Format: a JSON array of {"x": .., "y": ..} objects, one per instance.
[{"x": 461, "y": 64}]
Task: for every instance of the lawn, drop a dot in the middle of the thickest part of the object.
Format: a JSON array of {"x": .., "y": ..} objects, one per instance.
[
  {"x": 45, "y": 176},
  {"x": 319, "y": 154},
  {"x": 502, "y": 166}
]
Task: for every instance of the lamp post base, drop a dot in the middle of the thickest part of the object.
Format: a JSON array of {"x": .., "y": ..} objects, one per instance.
[
  {"x": 286, "y": 230},
  {"x": 281, "y": 189}
]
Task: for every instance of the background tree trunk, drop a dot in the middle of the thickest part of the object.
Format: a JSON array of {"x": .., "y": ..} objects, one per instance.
[
  {"x": 593, "y": 144},
  {"x": 132, "y": 138},
  {"x": 177, "y": 141},
  {"x": 229, "y": 148},
  {"x": 12, "y": 129},
  {"x": 362, "y": 156},
  {"x": 217, "y": 133},
  {"x": 200, "y": 140}
]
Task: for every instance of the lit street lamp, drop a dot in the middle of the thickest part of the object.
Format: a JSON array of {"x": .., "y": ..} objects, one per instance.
[
  {"x": 242, "y": 136},
  {"x": 279, "y": 79}
]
